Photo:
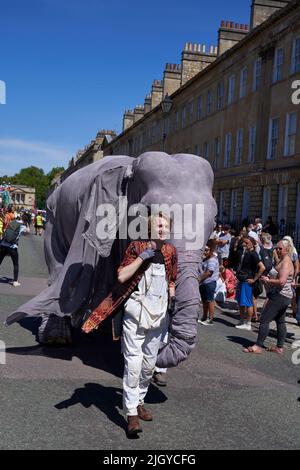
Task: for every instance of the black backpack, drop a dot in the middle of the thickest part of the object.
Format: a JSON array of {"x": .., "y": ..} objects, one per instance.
[
  {"x": 12, "y": 232},
  {"x": 266, "y": 256}
]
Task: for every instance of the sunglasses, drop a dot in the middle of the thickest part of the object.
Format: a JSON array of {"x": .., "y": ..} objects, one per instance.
[{"x": 278, "y": 248}]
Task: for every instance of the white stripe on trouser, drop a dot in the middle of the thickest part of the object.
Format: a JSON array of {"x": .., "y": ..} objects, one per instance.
[{"x": 140, "y": 348}]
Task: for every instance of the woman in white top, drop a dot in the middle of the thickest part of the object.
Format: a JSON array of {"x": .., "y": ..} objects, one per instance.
[{"x": 279, "y": 291}]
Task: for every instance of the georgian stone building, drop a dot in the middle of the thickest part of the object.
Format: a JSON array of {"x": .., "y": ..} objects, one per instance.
[
  {"x": 232, "y": 104},
  {"x": 23, "y": 197},
  {"x": 90, "y": 154}
]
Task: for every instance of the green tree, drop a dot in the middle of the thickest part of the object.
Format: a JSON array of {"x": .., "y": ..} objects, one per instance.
[{"x": 35, "y": 178}]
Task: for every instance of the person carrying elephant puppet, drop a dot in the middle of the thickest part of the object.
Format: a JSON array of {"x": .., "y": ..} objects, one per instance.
[{"x": 146, "y": 286}]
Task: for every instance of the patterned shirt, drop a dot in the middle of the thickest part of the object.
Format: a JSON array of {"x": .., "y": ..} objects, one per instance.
[{"x": 123, "y": 291}]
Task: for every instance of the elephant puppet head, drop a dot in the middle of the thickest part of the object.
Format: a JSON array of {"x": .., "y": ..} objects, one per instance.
[{"x": 183, "y": 183}]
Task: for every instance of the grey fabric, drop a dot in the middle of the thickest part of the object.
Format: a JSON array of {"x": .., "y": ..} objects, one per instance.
[
  {"x": 78, "y": 276},
  {"x": 82, "y": 268}
]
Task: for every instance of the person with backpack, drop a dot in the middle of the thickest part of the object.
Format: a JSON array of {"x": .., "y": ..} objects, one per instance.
[
  {"x": 9, "y": 245},
  {"x": 266, "y": 252}
]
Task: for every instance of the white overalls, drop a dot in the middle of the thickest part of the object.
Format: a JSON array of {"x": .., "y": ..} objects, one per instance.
[{"x": 143, "y": 324}]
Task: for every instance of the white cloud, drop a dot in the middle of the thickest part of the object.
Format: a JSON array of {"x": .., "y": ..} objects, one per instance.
[{"x": 18, "y": 153}]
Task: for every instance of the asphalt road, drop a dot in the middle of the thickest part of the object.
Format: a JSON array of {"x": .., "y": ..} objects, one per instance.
[{"x": 70, "y": 398}]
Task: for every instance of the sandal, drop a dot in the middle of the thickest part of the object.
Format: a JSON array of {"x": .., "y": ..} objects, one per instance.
[
  {"x": 250, "y": 349},
  {"x": 275, "y": 349}
]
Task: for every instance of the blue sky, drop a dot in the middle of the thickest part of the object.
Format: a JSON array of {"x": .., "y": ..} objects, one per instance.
[{"x": 71, "y": 67}]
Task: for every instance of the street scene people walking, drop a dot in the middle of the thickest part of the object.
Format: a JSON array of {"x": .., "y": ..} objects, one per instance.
[
  {"x": 150, "y": 260},
  {"x": 9, "y": 245},
  {"x": 279, "y": 291},
  {"x": 208, "y": 282}
]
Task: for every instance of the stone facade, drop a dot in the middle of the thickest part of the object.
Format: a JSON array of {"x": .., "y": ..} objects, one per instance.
[
  {"x": 90, "y": 154},
  {"x": 238, "y": 113},
  {"x": 23, "y": 197}
]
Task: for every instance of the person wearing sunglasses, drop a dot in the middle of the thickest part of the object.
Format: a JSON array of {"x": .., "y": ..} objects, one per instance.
[{"x": 278, "y": 284}]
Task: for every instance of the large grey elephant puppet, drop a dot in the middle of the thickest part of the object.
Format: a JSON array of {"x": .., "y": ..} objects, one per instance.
[{"x": 82, "y": 266}]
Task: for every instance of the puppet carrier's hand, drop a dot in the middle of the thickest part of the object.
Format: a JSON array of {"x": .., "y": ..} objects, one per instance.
[{"x": 147, "y": 254}]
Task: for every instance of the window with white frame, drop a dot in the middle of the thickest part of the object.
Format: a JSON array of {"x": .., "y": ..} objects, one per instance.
[
  {"x": 209, "y": 102},
  {"x": 231, "y": 89},
  {"x": 233, "y": 204},
  {"x": 220, "y": 96},
  {"x": 252, "y": 143},
  {"x": 227, "y": 155},
  {"x": 217, "y": 152},
  {"x": 278, "y": 65},
  {"x": 246, "y": 203},
  {"x": 266, "y": 203},
  {"x": 243, "y": 82},
  {"x": 273, "y": 138},
  {"x": 206, "y": 150},
  {"x": 221, "y": 203},
  {"x": 183, "y": 117},
  {"x": 290, "y": 134},
  {"x": 257, "y": 74},
  {"x": 191, "y": 110},
  {"x": 282, "y": 202},
  {"x": 199, "y": 107},
  {"x": 239, "y": 146},
  {"x": 295, "y": 62}
]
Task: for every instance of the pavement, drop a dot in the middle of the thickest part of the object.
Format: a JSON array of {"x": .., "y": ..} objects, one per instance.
[
  {"x": 231, "y": 309},
  {"x": 71, "y": 397}
]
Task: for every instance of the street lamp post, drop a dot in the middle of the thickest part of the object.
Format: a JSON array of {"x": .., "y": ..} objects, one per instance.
[{"x": 166, "y": 106}]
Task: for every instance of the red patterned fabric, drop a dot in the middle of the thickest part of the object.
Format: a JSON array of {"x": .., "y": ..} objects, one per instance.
[{"x": 123, "y": 291}]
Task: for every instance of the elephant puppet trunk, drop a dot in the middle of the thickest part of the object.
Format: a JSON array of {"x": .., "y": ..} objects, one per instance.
[{"x": 183, "y": 329}]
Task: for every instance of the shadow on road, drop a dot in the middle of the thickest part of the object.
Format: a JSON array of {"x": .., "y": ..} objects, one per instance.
[
  {"x": 108, "y": 400},
  {"x": 97, "y": 350},
  {"x": 224, "y": 322},
  {"x": 240, "y": 340},
  {"x": 6, "y": 280},
  {"x": 228, "y": 305}
]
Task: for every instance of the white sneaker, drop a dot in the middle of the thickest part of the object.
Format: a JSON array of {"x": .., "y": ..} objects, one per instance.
[
  {"x": 296, "y": 344},
  {"x": 207, "y": 322},
  {"x": 244, "y": 326},
  {"x": 16, "y": 284}
]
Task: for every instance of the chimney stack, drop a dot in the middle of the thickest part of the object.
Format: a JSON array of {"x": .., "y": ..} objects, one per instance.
[
  {"x": 147, "y": 104},
  {"x": 194, "y": 59},
  {"x": 138, "y": 113},
  {"x": 262, "y": 9},
  {"x": 128, "y": 119},
  {"x": 156, "y": 93},
  {"x": 230, "y": 33},
  {"x": 172, "y": 79}
]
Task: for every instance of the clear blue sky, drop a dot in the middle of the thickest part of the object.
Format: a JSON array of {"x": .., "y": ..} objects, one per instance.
[{"x": 71, "y": 67}]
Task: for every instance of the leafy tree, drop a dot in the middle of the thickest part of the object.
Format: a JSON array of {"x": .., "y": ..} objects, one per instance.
[{"x": 35, "y": 178}]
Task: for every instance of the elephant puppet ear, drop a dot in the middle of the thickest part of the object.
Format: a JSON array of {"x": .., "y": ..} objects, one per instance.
[{"x": 107, "y": 188}]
